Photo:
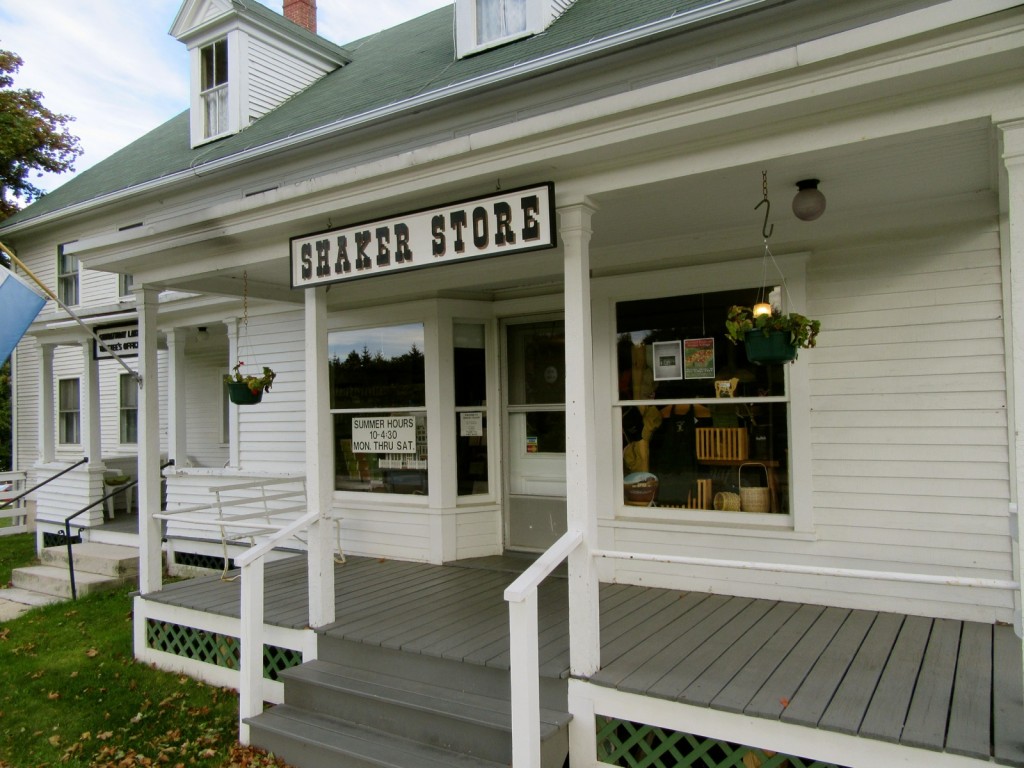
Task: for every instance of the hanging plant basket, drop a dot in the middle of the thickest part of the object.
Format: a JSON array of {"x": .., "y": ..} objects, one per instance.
[
  {"x": 772, "y": 349},
  {"x": 240, "y": 394}
]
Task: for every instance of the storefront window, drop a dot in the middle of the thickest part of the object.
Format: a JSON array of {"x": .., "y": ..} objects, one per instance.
[
  {"x": 702, "y": 427},
  {"x": 378, "y": 401},
  {"x": 470, "y": 362}
]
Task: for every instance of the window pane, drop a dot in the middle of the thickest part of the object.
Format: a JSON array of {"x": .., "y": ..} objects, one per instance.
[
  {"x": 214, "y": 60},
  {"x": 67, "y": 277},
  {"x": 536, "y": 363},
  {"x": 357, "y": 467},
  {"x": 377, "y": 368},
  {"x": 470, "y": 365},
  {"x": 129, "y": 416},
  {"x": 470, "y": 362},
  {"x": 690, "y": 321},
  {"x": 68, "y": 394},
  {"x": 68, "y": 412},
  {"x": 471, "y": 452}
]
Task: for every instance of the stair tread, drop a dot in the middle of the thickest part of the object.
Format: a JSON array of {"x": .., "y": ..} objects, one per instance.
[
  {"x": 55, "y": 572},
  {"x": 27, "y": 596},
  {"x": 99, "y": 549},
  {"x": 343, "y": 737},
  {"x": 453, "y": 702}
]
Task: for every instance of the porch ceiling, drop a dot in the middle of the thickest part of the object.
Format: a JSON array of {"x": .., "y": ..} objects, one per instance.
[{"x": 910, "y": 183}]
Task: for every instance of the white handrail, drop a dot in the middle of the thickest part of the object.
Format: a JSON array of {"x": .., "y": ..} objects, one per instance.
[
  {"x": 524, "y": 658},
  {"x": 250, "y": 686},
  {"x": 811, "y": 570}
]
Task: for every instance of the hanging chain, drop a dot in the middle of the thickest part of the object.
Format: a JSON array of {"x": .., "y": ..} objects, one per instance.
[
  {"x": 245, "y": 299},
  {"x": 764, "y": 184}
]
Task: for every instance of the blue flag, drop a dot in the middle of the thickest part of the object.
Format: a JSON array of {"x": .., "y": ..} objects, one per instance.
[{"x": 19, "y": 306}]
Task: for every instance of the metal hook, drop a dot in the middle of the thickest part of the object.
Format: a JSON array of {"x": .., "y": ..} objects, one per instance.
[{"x": 765, "y": 229}]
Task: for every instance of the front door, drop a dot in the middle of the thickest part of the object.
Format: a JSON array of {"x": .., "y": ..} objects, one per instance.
[{"x": 534, "y": 357}]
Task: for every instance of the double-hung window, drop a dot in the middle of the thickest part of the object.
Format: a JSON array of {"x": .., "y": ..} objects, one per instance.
[
  {"x": 702, "y": 428},
  {"x": 129, "y": 410},
  {"x": 214, "y": 88},
  {"x": 67, "y": 277},
  {"x": 498, "y": 19},
  {"x": 69, "y": 417}
]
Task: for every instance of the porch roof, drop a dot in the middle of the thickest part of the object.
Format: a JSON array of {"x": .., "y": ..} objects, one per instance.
[{"x": 935, "y": 684}]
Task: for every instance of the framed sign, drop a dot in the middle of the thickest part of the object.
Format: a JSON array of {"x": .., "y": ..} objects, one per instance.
[
  {"x": 668, "y": 360},
  {"x": 516, "y": 221},
  {"x": 699, "y": 358}
]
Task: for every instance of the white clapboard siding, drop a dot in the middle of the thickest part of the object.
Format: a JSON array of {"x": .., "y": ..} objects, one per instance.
[
  {"x": 478, "y": 533},
  {"x": 275, "y": 76},
  {"x": 272, "y": 434},
  {"x": 26, "y": 395},
  {"x": 392, "y": 533},
  {"x": 204, "y": 406},
  {"x": 909, "y": 440},
  {"x": 96, "y": 288}
]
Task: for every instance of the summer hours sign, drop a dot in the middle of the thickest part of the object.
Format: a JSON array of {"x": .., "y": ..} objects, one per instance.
[
  {"x": 509, "y": 222},
  {"x": 384, "y": 434}
]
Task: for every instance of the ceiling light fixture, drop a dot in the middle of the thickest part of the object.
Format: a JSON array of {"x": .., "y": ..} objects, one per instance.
[{"x": 809, "y": 202}]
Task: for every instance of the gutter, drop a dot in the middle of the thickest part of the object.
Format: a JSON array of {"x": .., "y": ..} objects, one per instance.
[{"x": 552, "y": 61}]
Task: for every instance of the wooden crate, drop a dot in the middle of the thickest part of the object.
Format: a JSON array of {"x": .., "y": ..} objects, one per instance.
[{"x": 717, "y": 443}]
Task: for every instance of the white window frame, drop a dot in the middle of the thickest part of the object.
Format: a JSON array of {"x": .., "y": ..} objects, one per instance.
[
  {"x": 466, "y": 25},
  {"x": 125, "y": 286},
  {"x": 216, "y": 116},
  {"x": 607, "y": 292},
  {"x": 69, "y": 282},
  {"x": 129, "y": 411},
  {"x": 69, "y": 419}
]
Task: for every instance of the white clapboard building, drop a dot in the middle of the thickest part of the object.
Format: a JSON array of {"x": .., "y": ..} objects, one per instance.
[{"x": 514, "y": 496}]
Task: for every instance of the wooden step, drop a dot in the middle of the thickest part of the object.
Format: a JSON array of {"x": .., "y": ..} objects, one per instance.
[
  {"x": 364, "y": 705},
  {"x": 445, "y": 716},
  {"x": 307, "y": 740}
]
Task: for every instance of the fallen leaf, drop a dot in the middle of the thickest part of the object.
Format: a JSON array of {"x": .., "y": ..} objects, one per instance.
[
  {"x": 92, "y": 653},
  {"x": 784, "y": 702},
  {"x": 54, "y": 740},
  {"x": 104, "y": 735},
  {"x": 53, "y": 695}
]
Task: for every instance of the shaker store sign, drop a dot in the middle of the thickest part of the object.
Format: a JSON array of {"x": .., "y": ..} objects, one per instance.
[{"x": 509, "y": 222}]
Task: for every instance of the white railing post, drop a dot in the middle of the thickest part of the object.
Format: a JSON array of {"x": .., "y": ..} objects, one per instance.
[
  {"x": 250, "y": 687},
  {"x": 524, "y": 664}
]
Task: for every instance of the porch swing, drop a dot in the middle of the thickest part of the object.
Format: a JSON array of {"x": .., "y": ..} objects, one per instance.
[{"x": 247, "y": 388}]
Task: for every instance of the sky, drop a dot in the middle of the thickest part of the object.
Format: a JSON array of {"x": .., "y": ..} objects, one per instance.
[{"x": 112, "y": 65}]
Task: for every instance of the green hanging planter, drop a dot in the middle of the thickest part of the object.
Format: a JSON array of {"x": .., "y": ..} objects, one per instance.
[
  {"x": 772, "y": 349},
  {"x": 240, "y": 394}
]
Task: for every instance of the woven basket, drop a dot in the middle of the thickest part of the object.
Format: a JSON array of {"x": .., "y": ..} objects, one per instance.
[
  {"x": 754, "y": 498},
  {"x": 727, "y": 502},
  {"x": 640, "y": 489}
]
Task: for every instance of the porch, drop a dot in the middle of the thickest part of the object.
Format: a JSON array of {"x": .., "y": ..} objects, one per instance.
[{"x": 878, "y": 688}]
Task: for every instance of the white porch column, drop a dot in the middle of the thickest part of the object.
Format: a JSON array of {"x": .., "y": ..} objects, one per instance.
[
  {"x": 177, "y": 445},
  {"x": 319, "y": 460},
  {"x": 90, "y": 406},
  {"x": 150, "y": 561},
  {"x": 234, "y": 450},
  {"x": 580, "y": 455},
  {"x": 47, "y": 430}
]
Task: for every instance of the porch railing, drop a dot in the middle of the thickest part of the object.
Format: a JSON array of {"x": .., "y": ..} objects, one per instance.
[
  {"x": 521, "y": 596},
  {"x": 524, "y": 655},
  {"x": 13, "y": 518},
  {"x": 250, "y": 687}
]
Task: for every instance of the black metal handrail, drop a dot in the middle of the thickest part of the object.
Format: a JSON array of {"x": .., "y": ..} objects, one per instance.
[
  {"x": 69, "y": 518},
  {"x": 21, "y": 495}
]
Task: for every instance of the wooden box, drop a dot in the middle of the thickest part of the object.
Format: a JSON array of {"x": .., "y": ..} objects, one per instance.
[{"x": 722, "y": 443}]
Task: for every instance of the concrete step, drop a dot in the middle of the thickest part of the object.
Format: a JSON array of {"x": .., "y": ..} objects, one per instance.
[
  {"x": 53, "y": 580},
  {"x": 25, "y": 597},
  {"x": 90, "y": 557}
]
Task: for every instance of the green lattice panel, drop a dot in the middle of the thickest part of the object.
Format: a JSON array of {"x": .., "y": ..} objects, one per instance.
[
  {"x": 214, "y": 648},
  {"x": 637, "y": 745}
]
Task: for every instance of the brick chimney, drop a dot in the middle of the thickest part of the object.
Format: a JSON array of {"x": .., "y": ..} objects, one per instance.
[{"x": 302, "y": 12}]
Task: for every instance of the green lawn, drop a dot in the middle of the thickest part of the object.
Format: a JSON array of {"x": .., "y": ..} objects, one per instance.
[{"x": 72, "y": 694}]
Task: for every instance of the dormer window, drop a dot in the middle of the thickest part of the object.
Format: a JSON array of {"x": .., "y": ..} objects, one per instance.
[
  {"x": 214, "y": 88},
  {"x": 498, "y": 19},
  {"x": 484, "y": 24}
]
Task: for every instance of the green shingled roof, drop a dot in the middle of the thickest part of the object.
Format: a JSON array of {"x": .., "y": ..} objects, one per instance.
[{"x": 411, "y": 60}]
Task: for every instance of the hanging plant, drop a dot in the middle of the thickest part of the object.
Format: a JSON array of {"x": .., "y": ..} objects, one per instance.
[
  {"x": 771, "y": 338},
  {"x": 247, "y": 389}
]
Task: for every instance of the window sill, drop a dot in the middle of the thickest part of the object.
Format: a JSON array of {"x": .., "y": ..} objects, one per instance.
[{"x": 708, "y": 521}]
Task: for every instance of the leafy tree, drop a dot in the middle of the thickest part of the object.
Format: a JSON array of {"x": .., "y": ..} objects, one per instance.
[{"x": 32, "y": 138}]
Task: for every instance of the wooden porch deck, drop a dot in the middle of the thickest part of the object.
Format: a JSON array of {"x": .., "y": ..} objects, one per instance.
[{"x": 931, "y": 683}]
